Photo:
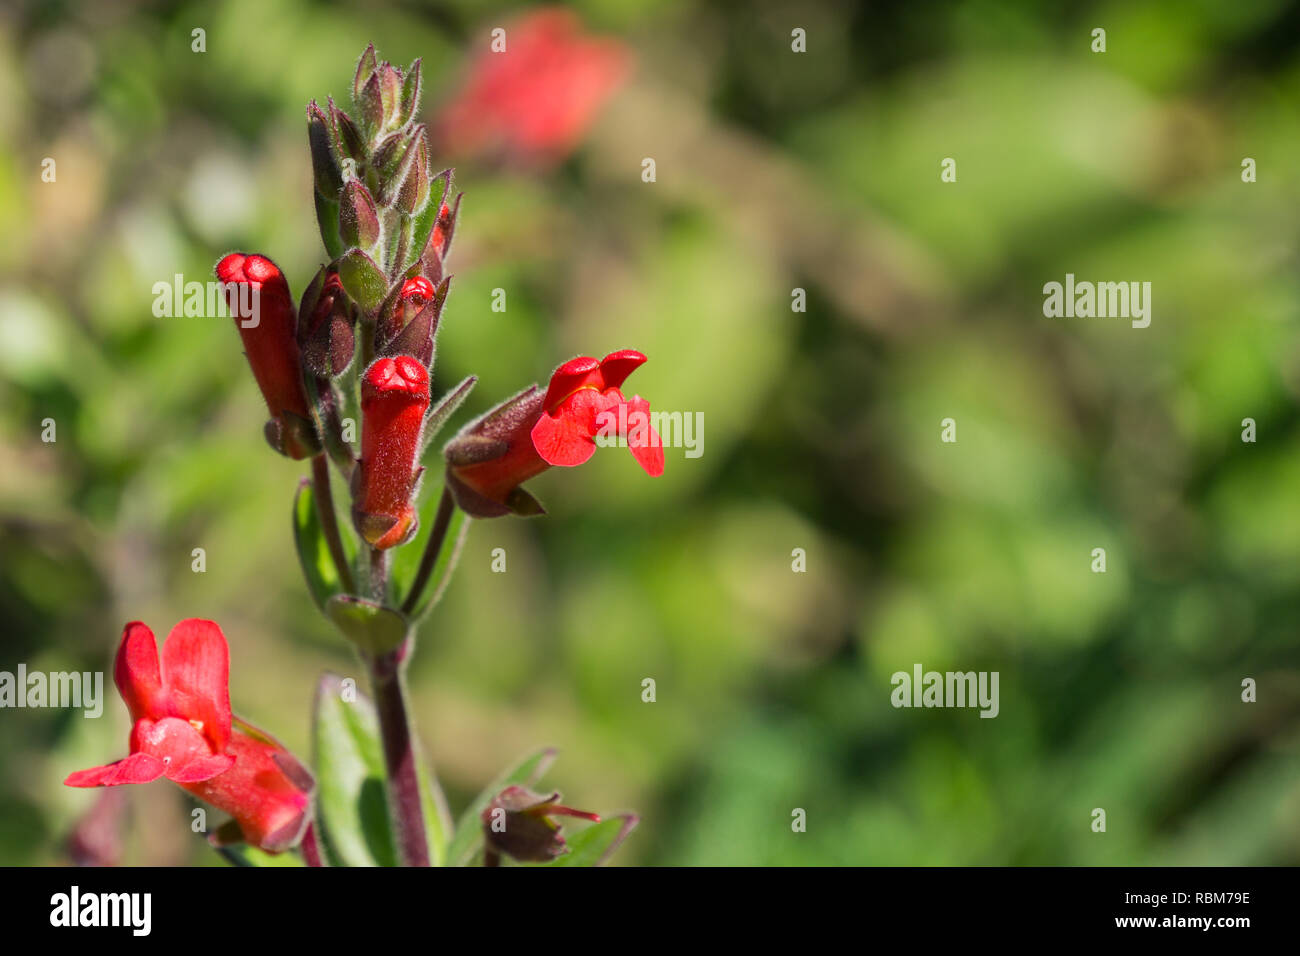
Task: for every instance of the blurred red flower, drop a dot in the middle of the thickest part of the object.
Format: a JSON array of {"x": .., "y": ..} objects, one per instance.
[{"x": 532, "y": 102}]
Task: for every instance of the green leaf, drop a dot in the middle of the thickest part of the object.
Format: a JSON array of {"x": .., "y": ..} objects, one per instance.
[
  {"x": 594, "y": 845},
  {"x": 422, "y": 223},
  {"x": 351, "y": 805},
  {"x": 373, "y": 628},
  {"x": 241, "y": 854},
  {"x": 363, "y": 279},
  {"x": 313, "y": 552},
  {"x": 410, "y": 94},
  {"x": 467, "y": 842},
  {"x": 457, "y": 531},
  {"x": 406, "y": 561},
  {"x": 446, "y": 407},
  {"x": 437, "y": 815},
  {"x": 327, "y": 214}
]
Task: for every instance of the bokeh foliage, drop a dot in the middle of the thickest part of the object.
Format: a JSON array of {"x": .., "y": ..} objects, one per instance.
[{"x": 775, "y": 171}]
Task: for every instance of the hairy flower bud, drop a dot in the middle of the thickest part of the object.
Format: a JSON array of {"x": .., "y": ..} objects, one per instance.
[
  {"x": 325, "y": 329},
  {"x": 267, "y": 327},
  {"x": 394, "y": 398},
  {"x": 324, "y": 161}
]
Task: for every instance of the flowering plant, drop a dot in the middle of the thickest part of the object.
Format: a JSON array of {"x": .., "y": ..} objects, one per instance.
[{"x": 360, "y": 343}]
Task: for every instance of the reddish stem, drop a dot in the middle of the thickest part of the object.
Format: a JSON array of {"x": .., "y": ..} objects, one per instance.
[
  {"x": 320, "y": 478},
  {"x": 432, "y": 549},
  {"x": 405, "y": 805}
]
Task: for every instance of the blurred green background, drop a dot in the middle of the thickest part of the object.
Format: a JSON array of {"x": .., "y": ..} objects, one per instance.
[{"x": 775, "y": 171}]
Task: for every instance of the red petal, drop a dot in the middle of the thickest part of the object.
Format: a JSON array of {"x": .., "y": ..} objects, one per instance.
[
  {"x": 562, "y": 440},
  {"x": 204, "y": 768},
  {"x": 647, "y": 448},
  {"x": 196, "y": 671},
  {"x": 137, "y": 675},
  {"x": 185, "y": 753},
  {"x": 137, "y": 768},
  {"x": 566, "y": 436},
  {"x": 617, "y": 366},
  {"x": 569, "y": 377}
]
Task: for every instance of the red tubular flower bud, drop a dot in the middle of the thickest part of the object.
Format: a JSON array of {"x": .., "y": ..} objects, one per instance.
[
  {"x": 266, "y": 322},
  {"x": 394, "y": 398},
  {"x": 183, "y": 730}
]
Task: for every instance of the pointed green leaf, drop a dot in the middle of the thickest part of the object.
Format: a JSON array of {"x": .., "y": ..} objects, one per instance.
[
  {"x": 468, "y": 841},
  {"x": 410, "y": 94},
  {"x": 446, "y": 407},
  {"x": 594, "y": 845},
  {"x": 423, "y": 222},
  {"x": 365, "y": 66},
  {"x": 406, "y": 561},
  {"x": 351, "y": 806},
  {"x": 327, "y": 215},
  {"x": 437, "y": 815}
]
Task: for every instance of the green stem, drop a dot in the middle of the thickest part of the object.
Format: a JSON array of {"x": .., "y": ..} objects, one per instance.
[
  {"x": 379, "y": 575},
  {"x": 429, "y": 560},
  {"x": 320, "y": 478}
]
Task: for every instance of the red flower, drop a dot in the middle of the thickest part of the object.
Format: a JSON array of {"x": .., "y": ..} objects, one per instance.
[
  {"x": 394, "y": 398},
  {"x": 493, "y": 456},
  {"x": 184, "y": 731},
  {"x": 534, "y": 100},
  {"x": 268, "y": 327},
  {"x": 583, "y": 399},
  {"x": 518, "y": 823}
]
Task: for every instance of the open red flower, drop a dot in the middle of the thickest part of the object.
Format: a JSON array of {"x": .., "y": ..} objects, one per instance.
[
  {"x": 584, "y": 400},
  {"x": 184, "y": 731},
  {"x": 520, "y": 439},
  {"x": 394, "y": 398},
  {"x": 268, "y": 326},
  {"x": 533, "y": 101}
]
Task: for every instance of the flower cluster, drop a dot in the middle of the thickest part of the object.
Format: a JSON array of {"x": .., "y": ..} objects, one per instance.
[{"x": 360, "y": 342}]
